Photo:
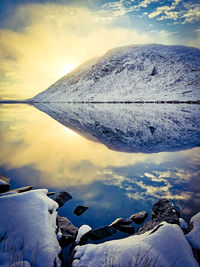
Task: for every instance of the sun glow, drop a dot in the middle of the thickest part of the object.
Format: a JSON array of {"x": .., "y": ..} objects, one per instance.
[{"x": 66, "y": 69}]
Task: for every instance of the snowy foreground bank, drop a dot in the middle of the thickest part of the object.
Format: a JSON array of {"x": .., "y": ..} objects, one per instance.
[{"x": 28, "y": 235}]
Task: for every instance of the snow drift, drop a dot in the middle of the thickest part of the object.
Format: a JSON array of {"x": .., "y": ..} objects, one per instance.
[{"x": 132, "y": 73}]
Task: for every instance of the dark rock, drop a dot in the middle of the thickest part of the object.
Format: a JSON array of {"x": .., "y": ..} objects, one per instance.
[
  {"x": 126, "y": 229},
  {"x": 196, "y": 253},
  {"x": 152, "y": 129},
  {"x": 154, "y": 71},
  {"x": 80, "y": 210},
  {"x": 121, "y": 221},
  {"x": 4, "y": 187},
  {"x": 84, "y": 239},
  {"x": 101, "y": 233},
  {"x": 50, "y": 194},
  {"x": 62, "y": 197},
  {"x": 163, "y": 210},
  {"x": 22, "y": 189},
  {"x": 139, "y": 217},
  {"x": 66, "y": 240},
  {"x": 190, "y": 227},
  {"x": 66, "y": 227},
  {"x": 5, "y": 179}
]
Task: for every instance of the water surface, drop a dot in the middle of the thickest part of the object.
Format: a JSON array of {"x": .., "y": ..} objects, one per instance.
[{"x": 91, "y": 162}]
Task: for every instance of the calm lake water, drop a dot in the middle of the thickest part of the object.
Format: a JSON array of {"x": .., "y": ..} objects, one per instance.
[{"x": 116, "y": 159}]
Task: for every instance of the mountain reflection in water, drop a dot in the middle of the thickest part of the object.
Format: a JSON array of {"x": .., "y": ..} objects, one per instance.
[{"x": 144, "y": 128}]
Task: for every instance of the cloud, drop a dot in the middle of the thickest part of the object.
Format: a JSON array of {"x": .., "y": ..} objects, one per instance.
[
  {"x": 185, "y": 12},
  {"x": 168, "y": 11},
  {"x": 53, "y": 38},
  {"x": 192, "y": 13},
  {"x": 146, "y": 3},
  {"x": 118, "y": 8}
]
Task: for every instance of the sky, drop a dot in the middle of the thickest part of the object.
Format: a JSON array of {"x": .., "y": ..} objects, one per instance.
[{"x": 42, "y": 40}]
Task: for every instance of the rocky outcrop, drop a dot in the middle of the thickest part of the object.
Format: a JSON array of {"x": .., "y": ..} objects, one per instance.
[{"x": 163, "y": 210}]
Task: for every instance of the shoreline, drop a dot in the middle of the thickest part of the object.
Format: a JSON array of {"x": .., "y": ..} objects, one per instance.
[{"x": 190, "y": 102}]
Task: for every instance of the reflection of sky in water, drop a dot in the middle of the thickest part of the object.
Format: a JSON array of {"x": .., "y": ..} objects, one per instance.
[{"x": 37, "y": 150}]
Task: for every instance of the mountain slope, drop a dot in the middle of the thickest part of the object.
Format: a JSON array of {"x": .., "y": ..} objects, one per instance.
[{"x": 132, "y": 73}]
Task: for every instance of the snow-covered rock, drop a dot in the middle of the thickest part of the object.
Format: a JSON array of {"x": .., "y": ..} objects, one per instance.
[
  {"x": 128, "y": 127},
  {"x": 84, "y": 229},
  {"x": 165, "y": 247},
  {"x": 28, "y": 229},
  {"x": 133, "y": 73},
  {"x": 193, "y": 236}
]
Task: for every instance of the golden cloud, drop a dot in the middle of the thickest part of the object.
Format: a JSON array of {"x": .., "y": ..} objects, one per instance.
[{"x": 54, "y": 39}]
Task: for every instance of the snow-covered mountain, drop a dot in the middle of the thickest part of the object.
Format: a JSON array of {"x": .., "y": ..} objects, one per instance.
[
  {"x": 145, "y": 128},
  {"x": 132, "y": 73}
]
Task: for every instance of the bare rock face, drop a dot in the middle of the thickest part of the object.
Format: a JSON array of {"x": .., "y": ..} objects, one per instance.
[{"x": 163, "y": 210}]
